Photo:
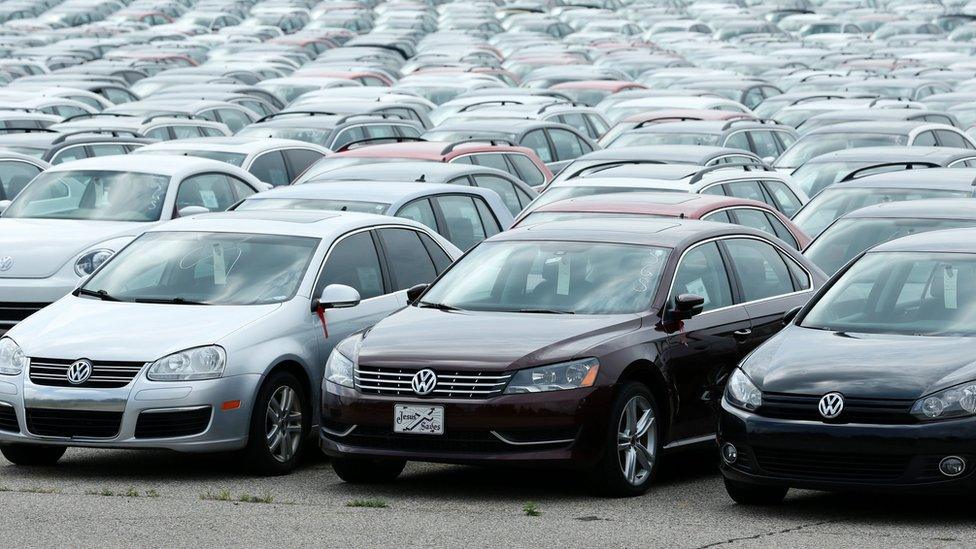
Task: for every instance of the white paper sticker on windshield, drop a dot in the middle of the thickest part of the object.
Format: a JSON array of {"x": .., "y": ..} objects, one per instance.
[
  {"x": 562, "y": 282},
  {"x": 950, "y": 279},
  {"x": 697, "y": 287},
  {"x": 219, "y": 267},
  {"x": 209, "y": 200}
]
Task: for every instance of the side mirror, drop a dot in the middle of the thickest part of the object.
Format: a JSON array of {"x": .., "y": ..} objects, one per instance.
[
  {"x": 4, "y": 204},
  {"x": 414, "y": 292},
  {"x": 768, "y": 160},
  {"x": 192, "y": 210},
  {"x": 790, "y": 315},
  {"x": 337, "y": 296},
  {"x": 687, "y": 306}
]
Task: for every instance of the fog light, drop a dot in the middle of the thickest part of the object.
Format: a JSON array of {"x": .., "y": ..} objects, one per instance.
[
  {"x": 952, "y": 466},
  {"x": 729, "y": 453}
]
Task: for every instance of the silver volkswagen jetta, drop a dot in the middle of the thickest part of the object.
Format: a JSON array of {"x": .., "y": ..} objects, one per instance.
[{"x": 208, "y": 333}]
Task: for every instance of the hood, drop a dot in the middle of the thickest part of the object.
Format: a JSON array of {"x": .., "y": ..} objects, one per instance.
[
  {"x": 79, "y": 327},
  {"x": 814, "y": 362},
  {"x": 38, "y": 248},
  {"x": 478, "y": 340}
]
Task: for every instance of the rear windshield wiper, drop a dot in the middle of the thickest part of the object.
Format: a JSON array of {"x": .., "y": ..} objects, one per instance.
[
  {"x": 438, "y": 306},
  {"x": 547, "y": 311},
  {"x": 170, "y": 301},
  {"x": 100, "y": 294}
]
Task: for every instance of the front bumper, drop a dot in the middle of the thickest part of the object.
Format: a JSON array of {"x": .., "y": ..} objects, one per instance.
[
  {"x": 839, "y": 457},
  {"x": 559, "y": 427},
  {"x": 46, "y": 409}
]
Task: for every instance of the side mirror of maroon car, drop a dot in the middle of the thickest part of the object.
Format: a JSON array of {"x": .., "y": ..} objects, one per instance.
[{"x": 687, "y": 306}]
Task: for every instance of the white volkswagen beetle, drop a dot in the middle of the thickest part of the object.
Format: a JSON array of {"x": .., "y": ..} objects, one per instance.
[
  {"x": 208, "y": 333},
  {"x": 74, "y": 216}
]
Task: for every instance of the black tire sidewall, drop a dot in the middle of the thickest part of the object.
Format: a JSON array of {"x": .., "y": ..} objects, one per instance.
[
  {"x": 257, "y": 453},
  {"x": 608, "y": 478},
  {"x": 32, "y": 454}
]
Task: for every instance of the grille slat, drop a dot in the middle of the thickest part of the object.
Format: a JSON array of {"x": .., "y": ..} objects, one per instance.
[
  {"x": 8, "y": 419},
  {"x": 856, "y": 410},
  {"x": 830, "y": 465},
  {"x": 451, "y": 383},
  {"x": 54, "y": 422},
  {"x": 53, "y": 372}
]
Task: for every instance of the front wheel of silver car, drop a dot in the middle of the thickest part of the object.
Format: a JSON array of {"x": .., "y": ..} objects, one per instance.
[
  {"x": 630, "y": 458},
  {"x": 279, "y": 425},
  {"x": 32, "y": 454}
]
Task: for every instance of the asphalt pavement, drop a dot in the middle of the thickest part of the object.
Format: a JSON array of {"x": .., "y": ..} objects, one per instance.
[{"x": 108, "y": 498}]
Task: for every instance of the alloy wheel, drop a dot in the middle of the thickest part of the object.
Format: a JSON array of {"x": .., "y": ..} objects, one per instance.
[
  {"x": 284, "y": 423},
  {"x": 637, "y": 440}
]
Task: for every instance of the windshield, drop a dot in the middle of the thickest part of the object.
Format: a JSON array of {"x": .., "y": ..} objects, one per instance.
[
  {"x": 833, "y": 203},
  {"x": 818, "y": 144},
  {"x": 208, "y": 268},
  {"x": 319, "y": 137},
  {"x": 845, "y": 239},
  {"x": 554, "y": 194},
  {"x": 92, "y": 194},
  {"x": 912, "y": 293},
  {"x": 30, "y": 151},
  {"x": 572, "y": 277},
  {"x": 664, "y": 138},
  {"x": 230, "y": 158},
  {"x": 313, "y": 204},
  {"x": 890, "y": 92}
]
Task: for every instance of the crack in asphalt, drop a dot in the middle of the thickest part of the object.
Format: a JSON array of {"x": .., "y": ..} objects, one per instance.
[{"x": 766, "y": 534}]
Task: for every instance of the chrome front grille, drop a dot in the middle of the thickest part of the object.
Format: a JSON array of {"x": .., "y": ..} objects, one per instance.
[
  {"x": 450, "y": 383},
  {"x": 53, "y": 372}
]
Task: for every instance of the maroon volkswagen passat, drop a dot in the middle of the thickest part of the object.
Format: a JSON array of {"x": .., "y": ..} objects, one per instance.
[{"x": 592, "y": 344}]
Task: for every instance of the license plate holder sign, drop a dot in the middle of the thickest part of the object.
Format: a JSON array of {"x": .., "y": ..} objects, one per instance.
[{"x": 418, "y": 420}]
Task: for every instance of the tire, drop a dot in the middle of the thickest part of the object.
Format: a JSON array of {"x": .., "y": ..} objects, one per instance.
[
  {"x": 755, "y": 494},
  {"x": 32, "y": 454},
  {"x": 630, "y": 461},
  {"x": 368, "y": 471},
  {"x": 277, "y": 438}
]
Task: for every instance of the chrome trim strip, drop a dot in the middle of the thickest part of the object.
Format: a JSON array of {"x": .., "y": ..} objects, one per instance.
[
  {"x": 538, "y": 442},
  {"x": 337, "y": 433},
  {"x": 177, "y": 409},
  {"x": 687, "y": 441}
]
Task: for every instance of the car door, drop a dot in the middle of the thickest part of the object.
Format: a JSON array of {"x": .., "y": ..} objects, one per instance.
[
  {"x": 699, "y": 356},
  {"x": 770, "y": 283},
  {"x": 354, "y": 260}
]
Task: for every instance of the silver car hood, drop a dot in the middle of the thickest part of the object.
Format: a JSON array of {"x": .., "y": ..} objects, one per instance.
[
  {"x": 38, "y": 248},
  {"x": 81, "y": 327}
]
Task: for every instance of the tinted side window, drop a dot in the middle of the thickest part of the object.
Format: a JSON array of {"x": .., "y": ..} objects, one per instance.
[
  {"x": 720, "y": 217},
  {"x": 760, "y": 267},
  {"x": 185, "y": 132},
  {"x": 407, "y": 258},
  {"x": 440, "y": 257},
  {"x": 503, "y": 187},
  {"x": 106, "y": 150},
  {"x": 783, "y": 198},
  {"x": 765, "y": 144},
  {"x": 270, "y": 168},
  {"x": 159, "y": 133},
  {"x": 234, "y": 119},
  {"x": 209, "y": 190},
  {"x": 536, "y": 140},
  {"x": 300, "y": 159},
  {"x": 527, "y": 170},
  {"x": 241, "y": 189},
  {"x": 568, "y": 146},
  {"x": 738, "y": 141},
  {"x": 488, "y": 220},
  {"x": 755, "y": 219},
  {"x": 925, "y": 139},
  {"x": 495, "y": 160},
  {"x": 69, "y": 153},
  {"x": 419, "y": 211},
  {"x": 952, "y": 139},
  {"x": 353, "y": 262},
  {"x": 702, "y": 272},
  {"x": 464, "y": 228},
  {"x": 14, "y": 176},
  {"x": 746, "y": 189}
]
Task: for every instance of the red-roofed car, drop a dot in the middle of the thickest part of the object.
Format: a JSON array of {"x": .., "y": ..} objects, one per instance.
[
  {"x": 591, "y": 92},
  {"x": 707, "y": 207},
  {"x": 521, "y": 162},
  {"x": 668, "y": 115}
]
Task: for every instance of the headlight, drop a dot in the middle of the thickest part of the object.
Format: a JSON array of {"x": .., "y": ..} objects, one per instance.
[
  {"x": 90, "y": 261},
  {"x": 958, "y": 401},
  {"x": 555, "y": 377},
  {"x": 12, "y": 359},
  {"x": 742, "y": 392},
  {"x": 341, "y": 366},
  {"x": 192, "y": 364}
]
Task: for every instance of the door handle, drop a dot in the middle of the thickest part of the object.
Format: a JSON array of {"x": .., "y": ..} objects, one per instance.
[{"x": 743, "y": 333}]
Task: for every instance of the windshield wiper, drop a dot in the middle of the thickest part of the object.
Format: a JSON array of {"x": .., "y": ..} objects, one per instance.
[
  {"x": 100, "y": 294},
  {"x": 170, "y": 301},
  {"x": 438, "y": 306},
  {"x": 547, "y": 311}
]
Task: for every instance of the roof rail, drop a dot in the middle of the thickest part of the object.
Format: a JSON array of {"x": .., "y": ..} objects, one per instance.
[
  {"x": 174, "y": 114},
  {"x": 114, "y": 133},
  {"x": 492, "y": 102},
  {"x": 652, "y": 121},
  {"x": 392, "y": 138},
  {"x": 305, "y": 113},
  {"x": 747, "y": 166},
  {"x": 822, "y": 97},
  {"x": 490, "y": 140},
  {"x": 609, "y": 165},
  {"x": 893, "y": 100},
  {"x": 907, "y": 165},
  {"x": 26, "y": 130},
  {"x": 735, "y": 121},
  {"x": 384, "y": 115},
  {"x": 547, "y": 106},
  {"x": 95, "y": 115}
]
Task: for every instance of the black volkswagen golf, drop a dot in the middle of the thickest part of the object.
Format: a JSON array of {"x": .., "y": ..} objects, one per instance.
[
  {"x": 871, "y": 385},
  {"x": 591, "y": 344}
]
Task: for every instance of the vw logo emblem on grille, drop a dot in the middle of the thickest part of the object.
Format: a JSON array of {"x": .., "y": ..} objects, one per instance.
[
  {"x": 79, "y": 372},
  {"x": 423, "y": 382},
  {"x": 831, "y": 405},
  {"x": 6, "y": 262}
]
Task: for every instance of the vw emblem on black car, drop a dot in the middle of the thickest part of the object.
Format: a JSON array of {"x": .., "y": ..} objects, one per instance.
[
  {"x": 79, "y": 372},
  {"x": 831, "y": 405},
  {"x": 423, "y": 382}
]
